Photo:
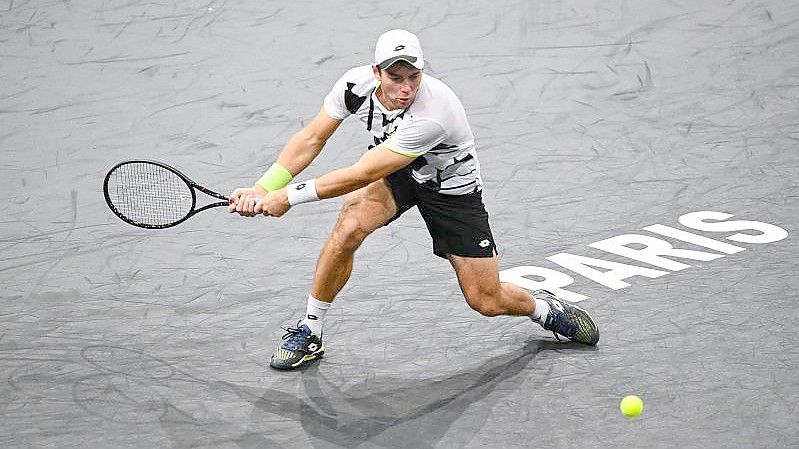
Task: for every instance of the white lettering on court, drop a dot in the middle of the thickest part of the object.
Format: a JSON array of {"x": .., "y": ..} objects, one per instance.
[{"x": 649, "y": 250}]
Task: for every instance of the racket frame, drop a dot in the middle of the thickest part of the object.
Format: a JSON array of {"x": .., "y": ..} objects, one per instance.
[{"x": 193, "y": 187}]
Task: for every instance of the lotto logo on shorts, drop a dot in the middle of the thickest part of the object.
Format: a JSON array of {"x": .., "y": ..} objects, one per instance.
[{"x": 484, "y": 243}]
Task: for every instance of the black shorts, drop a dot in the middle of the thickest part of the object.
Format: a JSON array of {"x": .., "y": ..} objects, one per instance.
[{"x": 458, "y": 224}]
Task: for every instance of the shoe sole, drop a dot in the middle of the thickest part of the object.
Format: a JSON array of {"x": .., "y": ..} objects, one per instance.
[
  {"x": 308, "y": 358},
  {"x": 593, "y": 323}
]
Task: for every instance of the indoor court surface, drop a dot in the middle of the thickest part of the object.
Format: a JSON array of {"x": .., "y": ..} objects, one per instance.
[{"x": 594, "y": 120}]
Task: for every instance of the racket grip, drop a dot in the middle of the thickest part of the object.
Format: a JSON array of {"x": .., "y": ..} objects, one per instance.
[{"x": 254, "y": 201}]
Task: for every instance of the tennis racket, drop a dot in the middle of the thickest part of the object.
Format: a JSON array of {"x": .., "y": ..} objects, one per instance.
[{"x": 153, "y": 195}]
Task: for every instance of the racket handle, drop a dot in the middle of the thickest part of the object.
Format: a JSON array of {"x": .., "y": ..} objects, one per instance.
[{"x": 254, "y": 201}]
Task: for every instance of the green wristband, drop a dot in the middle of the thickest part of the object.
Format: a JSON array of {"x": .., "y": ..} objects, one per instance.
[{"x": 275, "y": 178}]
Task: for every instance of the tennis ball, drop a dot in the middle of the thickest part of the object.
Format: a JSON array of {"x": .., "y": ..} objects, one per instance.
[{"x": 631, "y": 406}]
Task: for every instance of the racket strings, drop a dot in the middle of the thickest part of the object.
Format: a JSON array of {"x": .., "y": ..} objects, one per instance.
[{"x": 149, "y": 194}]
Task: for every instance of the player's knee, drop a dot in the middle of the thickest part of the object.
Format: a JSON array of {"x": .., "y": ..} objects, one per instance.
[{"x": 350, "y": 232}]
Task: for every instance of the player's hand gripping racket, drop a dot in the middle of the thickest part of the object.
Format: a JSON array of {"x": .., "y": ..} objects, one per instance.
[{"x": 153, "y": 195}]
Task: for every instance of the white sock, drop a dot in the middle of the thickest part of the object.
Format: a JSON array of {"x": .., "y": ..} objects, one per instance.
[
  {"x": 315, "y": 314},
  {"x": 541, "y": 311}
]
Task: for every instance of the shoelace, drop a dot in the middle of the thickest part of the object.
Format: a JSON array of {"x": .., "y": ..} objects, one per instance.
[
  {"x": 558, "y": 324},
  {"x": 296, "y": 337}
]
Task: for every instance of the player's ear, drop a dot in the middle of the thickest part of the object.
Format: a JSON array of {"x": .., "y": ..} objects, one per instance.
[{"x": 376, "y": 70}]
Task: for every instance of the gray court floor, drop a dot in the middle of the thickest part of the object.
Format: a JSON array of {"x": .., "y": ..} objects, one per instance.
[{"x": 594, "y": 120}]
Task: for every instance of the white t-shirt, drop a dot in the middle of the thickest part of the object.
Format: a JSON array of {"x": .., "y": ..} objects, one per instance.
[{"x": 433, "y": 129}]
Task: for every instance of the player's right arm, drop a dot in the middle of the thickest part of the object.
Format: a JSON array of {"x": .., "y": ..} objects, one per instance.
[
  {"x": 307, "y": 143},
  {"x": 302, "y": 148}
]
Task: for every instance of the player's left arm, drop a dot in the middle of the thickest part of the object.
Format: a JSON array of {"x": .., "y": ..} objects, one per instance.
[{"x": 375, "y": 164}]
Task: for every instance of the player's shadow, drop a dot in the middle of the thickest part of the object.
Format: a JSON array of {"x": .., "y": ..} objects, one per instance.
[{"x": 394, "y": 412}]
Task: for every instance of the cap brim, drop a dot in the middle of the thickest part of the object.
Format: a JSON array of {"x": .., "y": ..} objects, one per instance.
[{"x": 412, "y": 60}]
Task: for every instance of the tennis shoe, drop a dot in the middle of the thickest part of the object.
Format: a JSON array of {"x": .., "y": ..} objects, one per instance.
[
  {"x": 568, "y": 320},
  {"x": 299, "y": 348}
]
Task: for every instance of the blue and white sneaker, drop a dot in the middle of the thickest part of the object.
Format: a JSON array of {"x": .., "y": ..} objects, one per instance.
[
  {"x": 301, "y": 346},
  {"x": 568, "y": 320}
]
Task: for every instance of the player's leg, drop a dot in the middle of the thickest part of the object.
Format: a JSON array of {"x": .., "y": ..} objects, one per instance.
[
  {"x": 460, "y": 230},
  {"x": 479, "y": 281},
  {"x": 461, "y": 233},
  {"x": 363, "y": 212}
]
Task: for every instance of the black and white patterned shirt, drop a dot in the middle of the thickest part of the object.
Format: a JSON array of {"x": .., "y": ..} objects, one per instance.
[{"x": 433, "y": 129}]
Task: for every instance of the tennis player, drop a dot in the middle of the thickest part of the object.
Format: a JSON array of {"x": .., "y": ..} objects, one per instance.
[{"x": 423, "y": 155}]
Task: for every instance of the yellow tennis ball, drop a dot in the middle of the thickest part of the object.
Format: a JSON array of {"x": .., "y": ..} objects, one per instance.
[{"x": 631, "y": 406}]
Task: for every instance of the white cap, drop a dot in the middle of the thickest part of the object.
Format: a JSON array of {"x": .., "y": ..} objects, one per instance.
[{"x": 398, "y": 45}]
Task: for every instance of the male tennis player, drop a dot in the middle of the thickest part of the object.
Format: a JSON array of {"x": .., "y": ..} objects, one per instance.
[{"x": 423, "y": 155}]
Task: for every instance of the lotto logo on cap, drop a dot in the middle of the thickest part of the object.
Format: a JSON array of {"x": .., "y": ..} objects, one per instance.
[{"x": 398, "y": 45}]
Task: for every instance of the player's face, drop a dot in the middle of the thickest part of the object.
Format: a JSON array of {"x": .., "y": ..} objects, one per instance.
[{"x": 399, "y": 84}]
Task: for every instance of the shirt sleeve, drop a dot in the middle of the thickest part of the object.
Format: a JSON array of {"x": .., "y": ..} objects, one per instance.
[
  {"x": 416, "y": 137},
  {"x": 334, "y": 104}
]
